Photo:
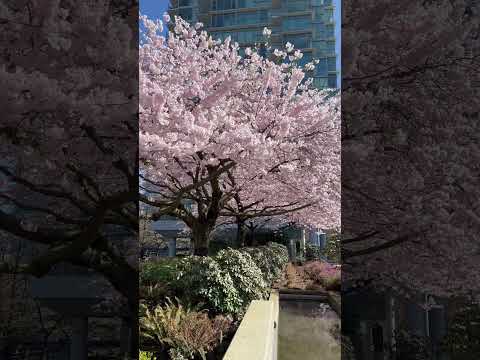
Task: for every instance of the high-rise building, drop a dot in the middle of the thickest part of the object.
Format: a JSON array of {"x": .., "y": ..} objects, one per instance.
[{"x": 307, "y": 24}]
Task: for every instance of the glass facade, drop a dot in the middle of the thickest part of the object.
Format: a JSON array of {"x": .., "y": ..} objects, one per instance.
[
  {"x": 293, "y": 23},
  {"x": 186, "y": 9},
  {"x": 248, "y": 37},
  {"x": 301, "y": 41},
  {"x": 308, "y": 24},
  {"x": 238, "y": 4},
  {"x": 296, "y": 5},
  {"x": 235, "y": 19}
]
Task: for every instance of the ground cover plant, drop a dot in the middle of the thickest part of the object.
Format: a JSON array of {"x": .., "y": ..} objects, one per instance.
[
  {"x": 183, "y": 331},
  {"x": 329, "y": 276}
]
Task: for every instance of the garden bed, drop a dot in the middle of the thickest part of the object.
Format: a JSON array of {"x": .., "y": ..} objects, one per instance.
[
  {"x": 313, "y": 275},
  {"x": 191, "y": 307}
]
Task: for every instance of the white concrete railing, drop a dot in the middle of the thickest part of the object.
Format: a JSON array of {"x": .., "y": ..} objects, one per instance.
[{"x": 257, "y": 335}]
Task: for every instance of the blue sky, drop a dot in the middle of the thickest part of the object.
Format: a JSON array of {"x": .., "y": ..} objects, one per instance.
[{"x": 156, "y": 8}]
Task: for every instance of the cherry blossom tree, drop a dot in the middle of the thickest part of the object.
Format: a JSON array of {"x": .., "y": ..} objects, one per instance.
[
  {"x": 68, "y": 139},
  {"x": 236, "y": 137},
  {"x": 410, "y": 136}
]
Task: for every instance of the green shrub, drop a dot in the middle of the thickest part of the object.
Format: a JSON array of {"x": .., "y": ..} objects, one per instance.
[
  {"x": 332, "y": 283},
  {"x": 271, "y": 260},
  {"x": 348, "y": 351},
  {"x": 247, "y": 277},
  {"x": 185, "y": 332},
  {"x": 278, "y": 254},
  {"x": 410, "y": 346},
  {"x": 259, "y": 256},
  {"x": 326, "y": 274},
  {"x": 145, "y": 355},
  {"x": 313, "y": 252},
  {"x": 156, "y": 293},
  {"x": 229, "y": 281},
  {"x": 203, "y": 280},
  {"x": 216, "y": 245},
  {"x": 158, "y": 271},
  {"x": 463, "y": 336},
  {"x": 332, "y": 249}
]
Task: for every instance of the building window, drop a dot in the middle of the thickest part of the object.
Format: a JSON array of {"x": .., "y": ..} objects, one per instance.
[
  {"x": 332, "y": 64},
  {"x": 234, "y": 19},
  {"x": 323, "y": 15},
  {"x": 324, "y": 31},
  {"x": 242, "y": 37},
  {"x": 332, "y": 80},
  {"x": 185, "y": 13},
  {"x": 247, "y": 3},
  {"x": 228, "y": 20},
  {"x": 320, "y": 83},
  {"x": 237, "y": 4},
  {"x": 297, "y": 23},
  {"x": 252, "y": 18},
  {"x": 306, "y": 58},
  {"x": 322, "y": 67},
  {"x": 223, "y": 4},
  {"x": 301, "y": 41},
  {"x": 331, "y": 47},
  {"x": 184, "y": 3},
  {"x": 296, "y": 5}
]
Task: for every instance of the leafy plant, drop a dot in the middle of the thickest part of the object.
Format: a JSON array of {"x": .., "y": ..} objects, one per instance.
[
  {"x": 259, "y": 256},
  {"x": 247, "y": 277},
  {"x": 313, "y": 252},
  {"x": 271, "y": 259},
  {"x": 332, "y": 249},
  {"x": 216, "y": 245},
  {"x": 155, "y": 294},
  {"x": 158, "y": 271},
  {"x": 333, "y": 283},
  {"x": 203, "y": 280},
  {"x": 184, "y": 331},
  {"x": 327, "y": 275},
  {"x": 145, "y": 355},
  {"x": 348, "y": 351},
  {"x": 410, "y": 346},
  {"x": 463, "y": 335}
]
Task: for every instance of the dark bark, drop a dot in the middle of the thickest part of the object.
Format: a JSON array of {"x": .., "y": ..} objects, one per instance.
[
  {"x": 201, "y": 239},
  {"x": 200, "y": 251},
  {"x": 135, "y": 335},
  {"x": 241, "y": 232}
]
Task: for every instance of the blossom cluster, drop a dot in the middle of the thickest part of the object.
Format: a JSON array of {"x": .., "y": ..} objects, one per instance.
[{"x": 203, "y": 107}]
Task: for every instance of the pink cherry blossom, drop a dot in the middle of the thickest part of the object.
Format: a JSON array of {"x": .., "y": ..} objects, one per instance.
[{"x": 256, "y": 136}]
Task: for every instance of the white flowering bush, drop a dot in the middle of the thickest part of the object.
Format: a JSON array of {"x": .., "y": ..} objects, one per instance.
[
  {"x": 271, "y": 260},
  {"x": 228, "y": 282},
  {"x": 259, "y": 256},
  {"x": 278, "y": 255},
  {"x": 203, "y": 280},
  {"x": 247, "y": 277}
]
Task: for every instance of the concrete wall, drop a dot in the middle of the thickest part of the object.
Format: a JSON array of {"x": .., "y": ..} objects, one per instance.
[{"x": 257, "y": 335}]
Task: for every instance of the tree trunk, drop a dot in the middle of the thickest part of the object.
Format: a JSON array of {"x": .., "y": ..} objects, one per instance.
[
  {"x": 241, "y": 233},
  {"x": 201, "y": 238},
  {"x": 134, "y": 330},
  {"x": 125, "y": 279},
  {"x": 250, "y": 237}
]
